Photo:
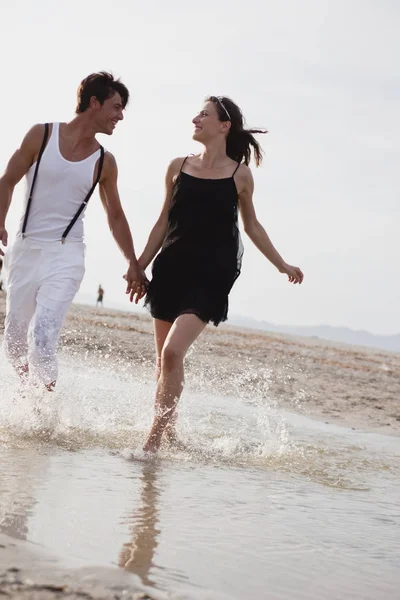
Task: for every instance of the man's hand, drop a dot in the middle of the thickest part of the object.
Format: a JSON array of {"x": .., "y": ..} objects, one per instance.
[
  {"x": 136, "y": 282},
  {"x": 3, "y": 238}
]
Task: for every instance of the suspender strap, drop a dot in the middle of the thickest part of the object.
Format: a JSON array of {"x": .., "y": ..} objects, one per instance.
[
  {"x": 237, "y": 166},
  {"x": 86, "y": 200},
  {"x": 28, "y": 206}
]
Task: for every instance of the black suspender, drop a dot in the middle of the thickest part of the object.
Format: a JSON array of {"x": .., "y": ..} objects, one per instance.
[
  {"x": 28, "y": 206},
  {"x": 86, "y": 200},
  {"x": 84, "y": 203}
]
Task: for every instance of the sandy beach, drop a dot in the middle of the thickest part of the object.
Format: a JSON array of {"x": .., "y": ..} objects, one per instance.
[{"x": 334, "y": 384}]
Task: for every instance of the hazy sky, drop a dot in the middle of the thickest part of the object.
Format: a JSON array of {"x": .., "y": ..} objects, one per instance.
[{"x": 322, "y": 75}]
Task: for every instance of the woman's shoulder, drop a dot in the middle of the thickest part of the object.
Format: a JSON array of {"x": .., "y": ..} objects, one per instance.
[
  {"x": 244, "y": 172},
  {"x": 178, "y": 161},
  {"x": 244, "y": 179},
  {"x": 174, "y": 166}
]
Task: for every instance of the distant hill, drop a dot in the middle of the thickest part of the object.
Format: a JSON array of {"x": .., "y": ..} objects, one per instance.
[{"x": 342, "y": 335}]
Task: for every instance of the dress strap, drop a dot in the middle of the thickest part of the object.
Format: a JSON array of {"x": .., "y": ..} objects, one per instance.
[
  {"x": 237, "y": 166},
  {"x": 183, "y": 164}
]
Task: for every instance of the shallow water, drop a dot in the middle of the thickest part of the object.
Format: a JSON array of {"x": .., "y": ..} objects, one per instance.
[{"x": 261, "y": 504}]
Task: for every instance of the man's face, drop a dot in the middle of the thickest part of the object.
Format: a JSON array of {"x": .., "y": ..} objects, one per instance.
[{"x": 109, "y": 114}]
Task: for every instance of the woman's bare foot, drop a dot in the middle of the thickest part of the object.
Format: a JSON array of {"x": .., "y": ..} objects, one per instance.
[
  {"x": 170, "y": 433},
  {"x": 139, "y": 455},
  {"x": 170, "y": 430},
  {"x": 172, "y": 438}
]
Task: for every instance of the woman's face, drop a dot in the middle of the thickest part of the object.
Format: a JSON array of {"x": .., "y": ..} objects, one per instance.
[{"x": 207, "y": 124}]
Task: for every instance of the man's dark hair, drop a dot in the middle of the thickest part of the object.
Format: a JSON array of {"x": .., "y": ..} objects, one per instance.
[{"x": 102, "y": 86}]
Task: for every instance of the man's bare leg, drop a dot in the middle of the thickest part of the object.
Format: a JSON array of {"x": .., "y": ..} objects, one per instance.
[{"x": 181, "y": 336}]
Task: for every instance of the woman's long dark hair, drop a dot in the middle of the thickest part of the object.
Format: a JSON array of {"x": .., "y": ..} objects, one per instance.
[{"x": 240, "y": 141}]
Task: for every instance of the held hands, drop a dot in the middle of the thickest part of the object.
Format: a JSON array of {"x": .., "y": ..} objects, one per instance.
[
  {"x": 3, "y": 239},
  {"x": 136, "y": 281},
  {"x": 294, "y": 274}
]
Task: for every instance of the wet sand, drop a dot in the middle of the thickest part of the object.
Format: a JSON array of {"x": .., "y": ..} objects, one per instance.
[{"x": 26, "y": 574}]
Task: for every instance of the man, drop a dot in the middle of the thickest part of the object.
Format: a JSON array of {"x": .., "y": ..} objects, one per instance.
[
  {"x": 44, "y": 268},
  {"x": 100, "y": 295}
]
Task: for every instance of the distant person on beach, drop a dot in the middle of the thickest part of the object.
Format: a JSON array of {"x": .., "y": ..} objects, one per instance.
[
  {"x": 1, "y": 281},
  {"x": 100, "y": 296},
  {"x": 63, "y": 162},
  {"x": 201, "y": 249}
]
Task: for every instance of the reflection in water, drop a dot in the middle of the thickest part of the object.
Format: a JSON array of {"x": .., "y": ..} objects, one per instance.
[
  {"x": 137, "y": 555},
  {"x": 20, "y": 473}
]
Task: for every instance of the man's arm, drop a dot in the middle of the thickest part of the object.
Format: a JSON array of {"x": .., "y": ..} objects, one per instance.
[
  {"x": 119, "y": 227},
  {"x": 18, "y": 166}
]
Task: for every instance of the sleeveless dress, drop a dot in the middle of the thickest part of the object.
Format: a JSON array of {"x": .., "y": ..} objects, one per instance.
[{"x": 202, "y": 251}]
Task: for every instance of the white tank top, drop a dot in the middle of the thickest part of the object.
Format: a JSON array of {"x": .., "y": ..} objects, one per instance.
[{"x": 61, "y": 187}]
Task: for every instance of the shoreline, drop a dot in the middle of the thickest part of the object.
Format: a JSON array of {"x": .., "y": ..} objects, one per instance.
[{"x": 345, "y": 385}]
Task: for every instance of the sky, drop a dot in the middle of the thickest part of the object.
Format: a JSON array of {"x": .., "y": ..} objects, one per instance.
[{"x": 323, "y": 76}]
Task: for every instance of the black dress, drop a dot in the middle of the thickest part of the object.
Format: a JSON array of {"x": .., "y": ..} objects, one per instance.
[{"x": 202, "y": 251}]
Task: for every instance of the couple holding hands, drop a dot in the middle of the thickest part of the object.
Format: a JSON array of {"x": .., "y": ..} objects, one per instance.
[{"x": 195, "y": 243}]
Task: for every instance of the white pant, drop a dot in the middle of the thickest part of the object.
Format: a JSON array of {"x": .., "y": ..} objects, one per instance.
[{"x": 41, "y": 279}]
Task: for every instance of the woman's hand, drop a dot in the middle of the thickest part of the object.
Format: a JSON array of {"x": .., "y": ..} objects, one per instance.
[
  {"x": 294, "y": 274},
  {"x": 137, "y": 282}
]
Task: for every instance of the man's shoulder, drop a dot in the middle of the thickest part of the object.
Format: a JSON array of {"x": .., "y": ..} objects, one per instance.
[
  {"x": 109, "y": 159},
  {"x": 35, "y": 134},
  {"x": 110, "y": 167}
]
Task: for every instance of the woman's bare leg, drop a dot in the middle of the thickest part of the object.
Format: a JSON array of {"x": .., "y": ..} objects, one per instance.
[
  {"x": 161, "y": 330},
  {"x": 181, "y": 336}
]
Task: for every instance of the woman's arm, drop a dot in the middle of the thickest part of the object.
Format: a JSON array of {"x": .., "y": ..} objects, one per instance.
[
  {"x": 159, "y": 230},
  {"x": 256, "y": 231}
]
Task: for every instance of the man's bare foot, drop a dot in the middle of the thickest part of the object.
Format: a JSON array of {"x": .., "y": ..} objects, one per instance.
[{"x": 23, "y": 373}]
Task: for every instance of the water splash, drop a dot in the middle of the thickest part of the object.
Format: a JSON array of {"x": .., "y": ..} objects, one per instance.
[{"x": 225, "y": 418}]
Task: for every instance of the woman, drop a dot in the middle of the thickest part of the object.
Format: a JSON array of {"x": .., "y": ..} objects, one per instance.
[{"x": 201, "y": 250}]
